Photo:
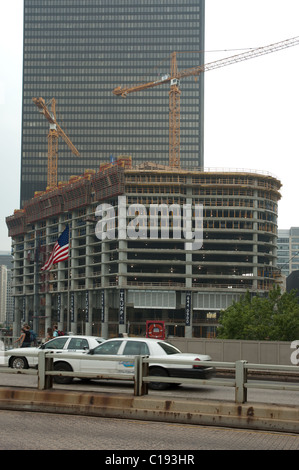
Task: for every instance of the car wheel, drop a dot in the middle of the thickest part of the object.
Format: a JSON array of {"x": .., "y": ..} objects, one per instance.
[
  {"x": 19, "y": 363},
  {"x": 159, "y": 372},
  {"x": 63, "y": 367}
]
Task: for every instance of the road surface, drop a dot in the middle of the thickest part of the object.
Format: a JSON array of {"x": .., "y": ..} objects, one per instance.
[
  {"x": 42, "y": 431},
  {"x": 281, "y": 397}
]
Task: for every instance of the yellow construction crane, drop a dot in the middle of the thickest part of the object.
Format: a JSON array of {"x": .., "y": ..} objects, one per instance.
[
  {"x": 174, "y": 94},
  {"x": 55, "y": 132}
]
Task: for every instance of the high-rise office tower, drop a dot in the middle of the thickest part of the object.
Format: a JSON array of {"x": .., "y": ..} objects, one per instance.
[
  {"x": 78, "y": 51},
  {"x": 288, "y": 250}
]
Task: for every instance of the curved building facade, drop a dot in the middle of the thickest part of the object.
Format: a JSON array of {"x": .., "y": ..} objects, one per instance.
[{"x": 132, "y": 270}]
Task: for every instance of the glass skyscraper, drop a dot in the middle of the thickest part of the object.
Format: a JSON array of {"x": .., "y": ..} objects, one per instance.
[{"x": 78, "y": 51}]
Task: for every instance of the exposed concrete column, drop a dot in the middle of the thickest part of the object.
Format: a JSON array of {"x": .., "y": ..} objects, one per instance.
[
  {"x": 61, "y": 281},
  {"x": 48, "y": 312},
  {"x": 188, "y": 269},
  {"x": 17, "y": 316},
  {"x": 60, "y": 266},
  {"x": 63, "y": 310},
  {"x": 104, "y": 313},
  {"x": 88, "y": 310},
  {"x": 255, "y": 238},
  {"x": 90, "y": 234},
  {"x": 274, "y": 250},
  {"x": 28, "y": 253},
  {"x": 29, "y": 306},
  {"x": 48, "y": 295},
  {"x": 74, "y": 312},
  {"x": 73, "y": 273},
  {"x": 37, "y": 268},
  {"x": 188, "y": 328},
  {"x": 89, "y": 297},
  {"x": 105, "y": 260},
  {"x": 122, "y": 263},
  {"x": 122, "y": 282}
]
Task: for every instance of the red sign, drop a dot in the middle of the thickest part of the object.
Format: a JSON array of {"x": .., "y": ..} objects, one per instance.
[{"x": 155, "y": 329}]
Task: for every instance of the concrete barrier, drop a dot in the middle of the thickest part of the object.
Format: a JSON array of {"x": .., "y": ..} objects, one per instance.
[{"x": 272, "y": 417}]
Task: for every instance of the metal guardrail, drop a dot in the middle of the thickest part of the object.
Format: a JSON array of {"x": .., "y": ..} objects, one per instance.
[{"x": 141, "y": 377}]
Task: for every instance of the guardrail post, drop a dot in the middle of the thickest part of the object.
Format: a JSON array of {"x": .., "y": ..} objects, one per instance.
[
  {"x": 141, "y": 370},
  {"x": 241, "y": 379},
  {"x": 45, "y": 382}
]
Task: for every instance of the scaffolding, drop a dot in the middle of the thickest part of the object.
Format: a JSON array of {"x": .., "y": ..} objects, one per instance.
[
  {"x": 16, "y": 223},
  {"x": 43, "y": 205},
  {"x": 108, "y": 182},
  {"x": 77, "y": 193}
]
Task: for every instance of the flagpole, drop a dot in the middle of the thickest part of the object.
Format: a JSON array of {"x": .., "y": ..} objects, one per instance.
[
  {"x": 61, "y": 252},
  {"x": 36, "y": 274},
  {"x": 68, "y": 327}
]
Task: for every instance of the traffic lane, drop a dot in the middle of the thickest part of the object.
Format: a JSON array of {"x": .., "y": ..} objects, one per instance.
[
  {"x": 283, "y": 397},
  {"x": 60, "y": 432},
  {"x": 198, "y": 392}
]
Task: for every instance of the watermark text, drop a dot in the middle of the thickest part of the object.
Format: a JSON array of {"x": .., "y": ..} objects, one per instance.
[{"x": 160, "y": 221}]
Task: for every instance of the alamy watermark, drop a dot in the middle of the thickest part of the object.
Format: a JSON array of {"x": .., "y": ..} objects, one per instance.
[
  {"x": 295, "y": 354},
  {"x": 136, "y": 222}
]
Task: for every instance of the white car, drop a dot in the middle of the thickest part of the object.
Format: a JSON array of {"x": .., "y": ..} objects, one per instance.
[
  {"x": 18, "y": 358},
  {"x": 132, "y": 347}
]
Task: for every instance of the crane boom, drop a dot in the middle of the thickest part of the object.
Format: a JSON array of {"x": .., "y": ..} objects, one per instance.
[
  {"x": 55, "y": 131},
  {"x": 252, "y": 53},
  {"x": 174, "y": 93},
  {"x": 124, "y": 91}
]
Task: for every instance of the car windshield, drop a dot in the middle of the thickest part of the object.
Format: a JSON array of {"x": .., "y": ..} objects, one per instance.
[{"x": 168, "y": 348}]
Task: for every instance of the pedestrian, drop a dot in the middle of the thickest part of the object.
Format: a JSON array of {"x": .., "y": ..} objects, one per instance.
[
  {"x": 49, "y": 335},
  {"x": 55, "y": 331},
  {"x": 33, "y": 337},
  {"x": 24, "y": 338},
  {"x": 27, "y": 340}
]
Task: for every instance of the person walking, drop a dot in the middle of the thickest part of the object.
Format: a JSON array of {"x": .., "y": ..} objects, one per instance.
[
  {"x": 24, "y": 338},
  {"x": 49, "y": 334}
]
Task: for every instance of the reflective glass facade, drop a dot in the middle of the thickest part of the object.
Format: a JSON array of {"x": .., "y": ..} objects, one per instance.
[{"x": 78, "y": 51}]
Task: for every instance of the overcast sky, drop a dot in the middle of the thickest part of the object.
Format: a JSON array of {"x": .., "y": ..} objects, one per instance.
[{"x": 251, "y": 108}]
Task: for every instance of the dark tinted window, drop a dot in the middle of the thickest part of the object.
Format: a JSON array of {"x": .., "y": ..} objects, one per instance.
[
  {"x": 168, "y": 348},
  {"x": 109, "y": 348},
  {"x": 57, "y": 343},
  {"x": 78, "y": 343},
  {"x": 136, "y": 348}
]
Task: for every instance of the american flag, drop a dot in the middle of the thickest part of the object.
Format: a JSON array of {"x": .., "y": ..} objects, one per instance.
[{"x": 60, "y": 251}]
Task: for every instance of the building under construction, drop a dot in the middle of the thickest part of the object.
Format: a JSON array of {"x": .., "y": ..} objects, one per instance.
[{"x": 115, "y": 284}]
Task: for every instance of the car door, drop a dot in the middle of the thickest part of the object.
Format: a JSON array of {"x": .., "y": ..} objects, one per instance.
[
  {"x": 108, "y": 348},
  {"x": 131, "y": 349},
  {"x": 57, "y": 344}
]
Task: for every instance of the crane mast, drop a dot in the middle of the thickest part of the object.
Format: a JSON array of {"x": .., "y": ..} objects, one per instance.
[
  {"x": 174, "y": 94},
  {"x": 55, "y": 132}
]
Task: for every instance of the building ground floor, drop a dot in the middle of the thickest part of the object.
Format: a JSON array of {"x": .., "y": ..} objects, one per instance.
[{"x": 110, "y": 312}]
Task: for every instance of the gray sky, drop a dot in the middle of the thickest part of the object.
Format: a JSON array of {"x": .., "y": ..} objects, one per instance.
[{"x": 251, "y": 108}]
